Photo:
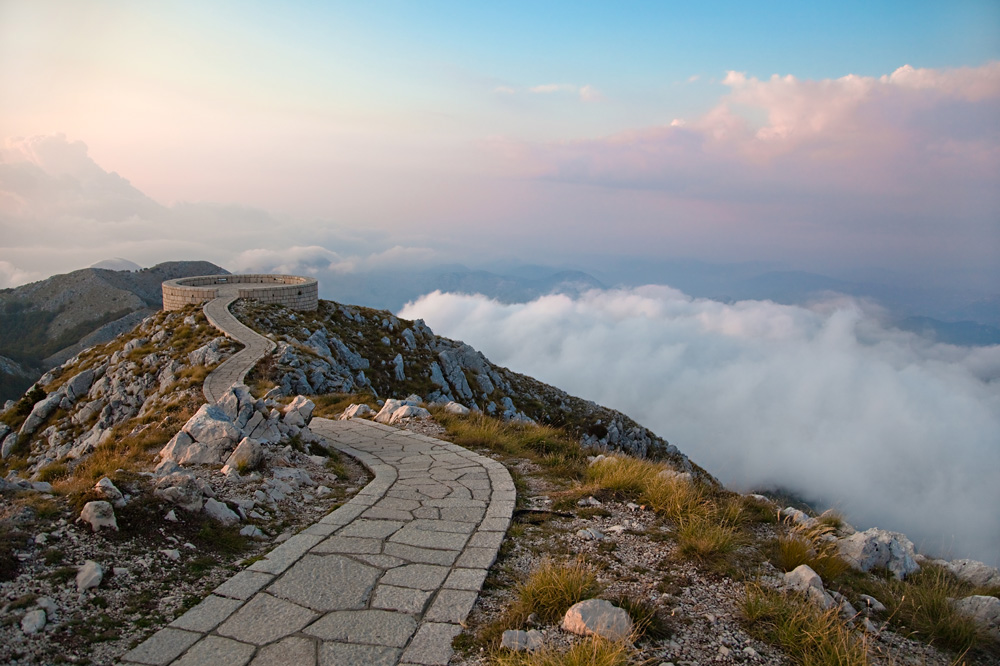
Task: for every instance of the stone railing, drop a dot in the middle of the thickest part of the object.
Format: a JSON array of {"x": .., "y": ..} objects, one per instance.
[{"x": 293, "y": 291}]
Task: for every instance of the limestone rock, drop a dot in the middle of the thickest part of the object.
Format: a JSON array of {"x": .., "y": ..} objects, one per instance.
[
  {"x": 8, "y": 444},
  {"x": 109, "y": 491},
  {"x": 877, "y": 549},
  {"x": 99, "y": 514},
  {"x": 974, "y": 572},
  {"x": 453, "y": 407},
  {"x": 33, "y": 621},
  {"x": 181, "y": 489},
  {"x": 674, "y": 475},
  {"x": 408, "y": 412},
  {"x": 79, "y": 385},
  {"x": 222, "y": 513},
  {"x": 398, "y": 365},
  {"x": 984, "y": 610},
  {"x": 803, "y": 579},
  {"x": 597, "y": 617},
  {"x": 355, "y": 411},
  {"x": 184, "y": 450},
  {"x": 517, "y": 640},
  {"x": 89, "y": 575},
  {"x": 211, "y": 426},
  {"x": 246, "y": 456},
  {"x": 41, "y": 411},
  {"x": 870, "y": 604}
]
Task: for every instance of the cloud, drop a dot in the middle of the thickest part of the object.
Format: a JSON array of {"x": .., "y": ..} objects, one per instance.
[
  {"x": 587, "y": 93},
  {"x": 826, "y": 401},
  {"x": 504, "y": 90},
  {"x": 12, "y": 276}
]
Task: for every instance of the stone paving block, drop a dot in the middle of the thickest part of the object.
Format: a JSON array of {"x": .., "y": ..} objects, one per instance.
[
  {"x": 416, "y": 576},
  {"x": 412, "y": 536},
  {"x": 452, "y": 526},
  {"x": 265, "y": 619},
  {"x": 339, "y": 544},
  {"x": 345, "y": 514},
  {"x": 460, "y": 514},
  {"x": 432, "y": 644},
  {"x": 466, "y": 579},
  {"x": 291, "y": 651},
  {"x": 481, "y": 493},
  {"x": 455, "y": 503},
  {"x": 494, "y": 525},
  {"x": 420, "y": 555},
  {"x": 451, "y": 606},
  {"x": 244, "y": 585},
  {"x": 427, "y": 512},
  {"x": 286, "y": 554},
  {"x": 370, "y": 529},
  {"x": 377, "y": 513},
  {"x": 217, "y": 651},
  {"x": 486, "y": 540},
  {"x": 404, "y": 599},
  {"x": 380, "y": 560},
  {"x": 369, "y": 627},
  {"x": 342, "y": 654},
  {"x": 326, "y": 583},
  {"x": 162, "y": 647},
  {"x": 476, "y": 558},
  {"x": 321, "y": 529},
  {"x": 207, "y": 615}
]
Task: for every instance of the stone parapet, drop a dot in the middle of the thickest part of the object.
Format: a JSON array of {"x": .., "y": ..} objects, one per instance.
[{"x": 293, "y": 291}]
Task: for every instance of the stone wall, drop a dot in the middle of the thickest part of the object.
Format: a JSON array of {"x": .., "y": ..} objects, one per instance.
[{"x": 293, "y": 291}]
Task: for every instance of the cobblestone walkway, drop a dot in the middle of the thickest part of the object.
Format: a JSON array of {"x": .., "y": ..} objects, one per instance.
[{"x": 385, "y": 579}]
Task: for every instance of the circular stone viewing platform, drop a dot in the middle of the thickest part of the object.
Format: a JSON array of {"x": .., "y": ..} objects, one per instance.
[{"x": 293, "y": 291}]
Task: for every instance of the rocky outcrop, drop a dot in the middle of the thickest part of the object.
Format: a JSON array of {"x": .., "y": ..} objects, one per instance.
[
  {"x": 880, "y": 549},
  {"x": 984, "y": 610}
]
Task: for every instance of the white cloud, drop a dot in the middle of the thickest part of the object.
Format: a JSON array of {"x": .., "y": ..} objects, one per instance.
[
  {"x": 12, "y": 276},
  {"x": 504, "y": 90},
  {"x": 547, "y": 88},
  {"x": 892, "y": 429},
  {"x": 589, "y": 93},
  {"x": 586, "y": 93}
]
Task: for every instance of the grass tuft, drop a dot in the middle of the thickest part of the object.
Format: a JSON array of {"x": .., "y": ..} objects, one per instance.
[
  {"x": 807, "y": 635},
  {"x": 589, "y": 652}
]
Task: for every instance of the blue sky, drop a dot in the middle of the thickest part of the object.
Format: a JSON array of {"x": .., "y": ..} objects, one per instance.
[{"x": 827, "y": 136}]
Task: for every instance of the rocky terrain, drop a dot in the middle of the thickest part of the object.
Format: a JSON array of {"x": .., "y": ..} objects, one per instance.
[
  {"x": 46, "y": 322},
  {"x": 126, "y": 499}
]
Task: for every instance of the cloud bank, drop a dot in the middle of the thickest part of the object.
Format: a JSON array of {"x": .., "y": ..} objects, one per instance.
[{"x": 893, "y": 430}]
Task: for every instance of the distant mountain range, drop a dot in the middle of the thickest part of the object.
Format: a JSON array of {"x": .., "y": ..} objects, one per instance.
[{"x": 44, "y": 323}]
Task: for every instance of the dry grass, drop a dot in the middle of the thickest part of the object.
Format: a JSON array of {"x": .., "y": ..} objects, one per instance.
[
  {"x": 812, "y": 545},
  {"x": 589, "y": 652},
  {"x": 558, "y": 453},
  {"x": 332, "y": 405},
  {"x": 548, "y": 593},
  {"x": 807, "y": 635},
  {"x": 920, "y": 605}
]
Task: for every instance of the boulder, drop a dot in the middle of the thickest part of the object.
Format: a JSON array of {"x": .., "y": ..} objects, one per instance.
[
  {"x": 89, "y": 575},
  {"x": 803, "y": 579},
  {"x": 299, "y": 411},
  {"x": 974, "y": 572},
  {"x": 33, "y": 622},
  {"x": 79, "y": 385},
  {"x": 390, "y": 406},
  {"x": 219, "y": 511},
  {"x": 399, "y": 368},
  {"x": 98, "y": 514},
  {"x": 598, "y": 617},
  {"x": 211, "y": 426},
  {"x": 184, "y": 450},
  {"x": 106, "y": 488},
  {"x": 878, "y": 549},
  {"x": 518, "y": 641},
  {"x": 453, "y": 407},
  {"x": 408, "y": 412},
  {"x": 984, "y": 610},
  {"x": 41, "y": 411},
  {"x": 246, "y": 456},
  {"x": 181, "y": 489},
  {"x": 355, "y": 411},
  {"x": 674, "y": 475},
  {"x": 871, "y": 605},
  {"x": 7, "y": 445}
]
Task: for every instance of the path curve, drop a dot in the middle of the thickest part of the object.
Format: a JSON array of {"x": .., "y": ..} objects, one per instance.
[
  {"x": 255, "y": 346},
  {"x": 386, "y": 579}
]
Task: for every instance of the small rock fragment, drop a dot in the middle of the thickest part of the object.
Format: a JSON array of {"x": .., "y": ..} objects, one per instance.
[
  {"x": 89, "y": 575},
  {"x": 98, "y": 514}
]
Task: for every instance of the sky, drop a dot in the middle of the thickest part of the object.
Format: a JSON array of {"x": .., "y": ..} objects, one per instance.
[
  {"x": 833, "y": 136},
  {"x": 336, "y": 139}
]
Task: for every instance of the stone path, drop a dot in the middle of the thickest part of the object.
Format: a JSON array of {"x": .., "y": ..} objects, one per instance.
[
  {"x": 255, "y": 346},
  {"x": 385, "y": 579}
]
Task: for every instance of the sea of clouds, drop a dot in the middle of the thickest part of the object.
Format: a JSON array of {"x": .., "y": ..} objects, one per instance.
[{"x": 892, "y": 429}]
